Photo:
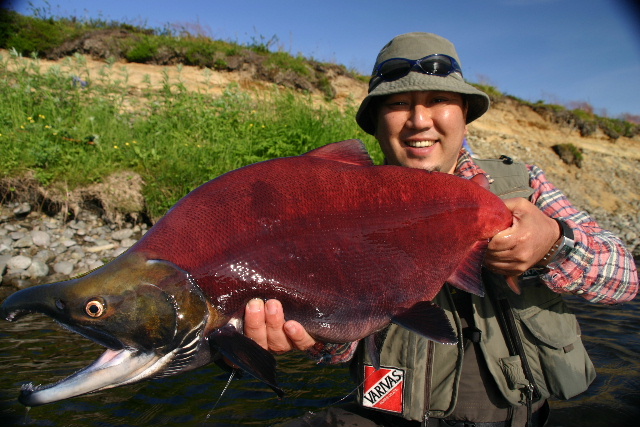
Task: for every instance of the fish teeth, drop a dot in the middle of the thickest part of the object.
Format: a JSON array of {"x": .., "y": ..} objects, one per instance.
[
  {"x": 420, "y": 144},
  {"x": 29, "y": 387}
]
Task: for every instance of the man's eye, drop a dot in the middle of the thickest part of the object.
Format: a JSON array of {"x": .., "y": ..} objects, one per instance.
[{"x": 397, "y": 104}]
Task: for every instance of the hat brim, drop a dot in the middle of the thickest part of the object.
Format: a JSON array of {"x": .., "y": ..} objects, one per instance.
[{"x": 478, "y": 101}]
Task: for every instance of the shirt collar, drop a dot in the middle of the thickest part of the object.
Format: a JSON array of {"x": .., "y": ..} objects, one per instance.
[{"x": 466, "y": 167}]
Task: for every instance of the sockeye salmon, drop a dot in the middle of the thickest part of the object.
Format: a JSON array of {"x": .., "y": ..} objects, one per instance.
[{"x": 346, "y": 246}]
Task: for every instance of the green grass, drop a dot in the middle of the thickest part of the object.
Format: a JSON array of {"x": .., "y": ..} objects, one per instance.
[{"x": 176, "y": 139}]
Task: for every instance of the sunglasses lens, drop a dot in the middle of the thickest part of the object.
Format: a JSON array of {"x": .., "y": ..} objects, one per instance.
[
  {"x": 393, "y": 69},
  {"x": 438, "y": 65}
]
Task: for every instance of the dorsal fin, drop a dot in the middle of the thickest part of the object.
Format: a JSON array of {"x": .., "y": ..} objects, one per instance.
[{"x": 350, "y": 151}]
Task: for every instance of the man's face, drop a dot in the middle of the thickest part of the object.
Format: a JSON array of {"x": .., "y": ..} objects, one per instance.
[{"x": 422, "y": 130}]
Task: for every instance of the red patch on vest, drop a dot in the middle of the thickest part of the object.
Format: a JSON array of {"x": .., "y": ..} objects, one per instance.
[{"x": 383, "y": 389}]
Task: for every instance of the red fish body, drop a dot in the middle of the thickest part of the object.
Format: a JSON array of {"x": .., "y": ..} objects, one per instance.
[{"x": 346, "y": 246}]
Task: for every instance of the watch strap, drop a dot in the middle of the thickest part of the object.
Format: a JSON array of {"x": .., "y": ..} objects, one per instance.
[{"x": 561, "y": 248}]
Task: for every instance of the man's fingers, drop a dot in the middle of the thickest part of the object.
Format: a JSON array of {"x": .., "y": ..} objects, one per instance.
[
  {"x": 264, "y": 323},
  {"x": 274, "y": 317},
  {"x": 254, "y": 322},
  {"x": 299, "y": 337}
]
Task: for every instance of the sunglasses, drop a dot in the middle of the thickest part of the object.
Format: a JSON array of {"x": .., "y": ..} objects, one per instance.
[{"x": 396, "y": 68}]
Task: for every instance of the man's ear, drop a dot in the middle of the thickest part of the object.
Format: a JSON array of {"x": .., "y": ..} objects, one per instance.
[{"x": 465, "y": 111}]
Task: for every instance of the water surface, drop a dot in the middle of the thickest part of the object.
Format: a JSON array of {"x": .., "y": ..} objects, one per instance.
[{"x": 35, "y": 349}]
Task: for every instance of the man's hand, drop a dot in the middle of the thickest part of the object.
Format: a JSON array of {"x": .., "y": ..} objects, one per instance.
[
  {"x": 518, "y": 248},
  {"x": 264, "y": 323}
]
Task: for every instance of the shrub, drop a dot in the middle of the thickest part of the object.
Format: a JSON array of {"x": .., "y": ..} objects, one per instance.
[
  {"x": 569, "y": 153},
  {"x": 29, "y": 35},
  {"x": 143, "y": 50}
]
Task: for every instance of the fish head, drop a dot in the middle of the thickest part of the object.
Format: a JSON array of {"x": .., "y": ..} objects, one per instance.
[{"x": 149, "y": 314}]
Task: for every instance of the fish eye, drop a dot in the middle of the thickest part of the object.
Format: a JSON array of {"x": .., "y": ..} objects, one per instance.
[{"x": 94, "y": 308}]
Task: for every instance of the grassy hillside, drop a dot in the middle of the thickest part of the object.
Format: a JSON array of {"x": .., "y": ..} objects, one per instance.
[{"x": 66, "y": 130}]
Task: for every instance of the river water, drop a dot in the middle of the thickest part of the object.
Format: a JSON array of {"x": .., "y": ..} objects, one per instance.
[{"x": 37, "y": 350}]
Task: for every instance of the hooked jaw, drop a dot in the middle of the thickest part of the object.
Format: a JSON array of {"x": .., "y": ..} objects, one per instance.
[
  {"x": 112, "y": 369},
  {"x": 115, "y": 368}
]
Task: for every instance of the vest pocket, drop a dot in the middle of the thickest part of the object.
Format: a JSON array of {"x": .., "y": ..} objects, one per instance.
[
  {"x": 512, "y": 369},
  {"x": 564, "y": 361}
]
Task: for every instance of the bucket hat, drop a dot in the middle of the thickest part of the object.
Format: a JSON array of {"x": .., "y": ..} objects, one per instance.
[{"x": 415, "y": 46}]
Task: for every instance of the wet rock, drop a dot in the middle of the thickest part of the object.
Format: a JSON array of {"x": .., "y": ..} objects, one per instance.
[
  {"x": 95, "y": 264},
  {"x": 63, "y": 267},
  {"x": 41, "y": 238},
  {"x": 77, "y": 225},
  {"x": 101, "y": 248},
  {"x": 23, "y": 209},
  {"x": 21, "y": 283},
  {"x": 45, "y": 255},
  {"x": 5, "y": 246},
  {"x": 68, "y": 243},
  {"x": 38, "y": 269},
  {"x": 17, "y": 235},
  {"x": 122, "y": 234},
  {"x": 19, "y": 262},
  {"x": 127, "y": 243},
  {"x": 4, "y": 259},
  {"x": 119, "y": 251},
  {"x": 25, "y": 242}
]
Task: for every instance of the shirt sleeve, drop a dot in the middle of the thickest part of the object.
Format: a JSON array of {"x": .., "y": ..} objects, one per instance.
[{"x": 599, "y": 268}]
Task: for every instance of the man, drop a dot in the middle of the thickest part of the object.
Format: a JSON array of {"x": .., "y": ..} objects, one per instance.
[{"x": 515, "y": 350}]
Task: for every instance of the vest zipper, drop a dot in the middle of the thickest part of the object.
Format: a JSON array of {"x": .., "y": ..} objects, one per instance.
[
  {"x": 507, "y": 322},
  {"x": 532, "y": 389},
  {"x": 427, "y": 382}
]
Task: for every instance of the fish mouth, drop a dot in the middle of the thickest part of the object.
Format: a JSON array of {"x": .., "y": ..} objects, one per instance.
[{"x": 112, "y": 369}]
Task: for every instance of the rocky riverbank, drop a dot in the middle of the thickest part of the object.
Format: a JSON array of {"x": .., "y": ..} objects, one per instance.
[{"x": 36, "y": 248}]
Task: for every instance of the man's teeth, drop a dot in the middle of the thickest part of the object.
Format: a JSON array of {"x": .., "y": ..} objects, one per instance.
[{"x": 420, "y": 144}]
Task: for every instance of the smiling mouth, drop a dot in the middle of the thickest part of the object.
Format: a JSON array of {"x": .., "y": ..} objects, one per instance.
[{"x": 420, "y": 144}]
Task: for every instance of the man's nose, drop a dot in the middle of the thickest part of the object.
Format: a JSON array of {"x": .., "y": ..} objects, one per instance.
[{"x": 420, "y": 117}]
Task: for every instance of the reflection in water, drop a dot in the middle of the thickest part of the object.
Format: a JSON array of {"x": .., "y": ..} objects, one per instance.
[{"x": 36, "y": 350}]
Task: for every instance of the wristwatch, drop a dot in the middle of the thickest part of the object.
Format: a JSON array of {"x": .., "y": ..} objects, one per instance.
[{"x": 560, "y": 249}]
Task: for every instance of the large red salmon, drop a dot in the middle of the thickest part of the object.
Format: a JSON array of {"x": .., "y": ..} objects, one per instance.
[{"x": 346, "y": 246}]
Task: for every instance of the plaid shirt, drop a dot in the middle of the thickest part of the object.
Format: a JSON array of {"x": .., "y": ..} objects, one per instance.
[{"x": 599, "y": 268}]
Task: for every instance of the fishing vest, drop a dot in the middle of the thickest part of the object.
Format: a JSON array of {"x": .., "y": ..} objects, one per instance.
[{"x": 531, "y": 342}]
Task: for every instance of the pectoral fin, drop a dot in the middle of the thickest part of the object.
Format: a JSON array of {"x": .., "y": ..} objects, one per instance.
[
  {"x": 245, "y": 353},
  {"x": 468, "y": 274},
  {"x": 373, "y": 351},
  {"x": 429, "y": 320}
]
